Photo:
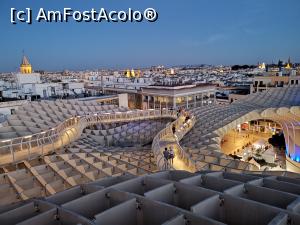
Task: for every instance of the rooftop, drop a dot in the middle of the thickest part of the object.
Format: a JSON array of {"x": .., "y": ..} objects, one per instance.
[
  {"x": 73, "y": 166},
  {"x": 169, "y": 198}
]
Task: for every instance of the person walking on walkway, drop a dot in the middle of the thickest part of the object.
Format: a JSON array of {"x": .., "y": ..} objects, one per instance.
[
  {"x": 171, "y": 155},
  {"x": 166, "y": 158},
  {"x": 174, "y": 129}
]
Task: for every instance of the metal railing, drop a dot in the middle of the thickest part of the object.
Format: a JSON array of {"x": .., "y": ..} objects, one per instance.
[
  {"x": 31, "y": 146},
  {"x": 184, "y": 156},
  {"x": 13, "y": 103},
  {"x": 27, "y": 147},
  {"x": 182, "y": 127}
]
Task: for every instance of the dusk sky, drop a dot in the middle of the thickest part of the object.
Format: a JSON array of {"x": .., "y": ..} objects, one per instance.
[{"x": 186, "y": 32}]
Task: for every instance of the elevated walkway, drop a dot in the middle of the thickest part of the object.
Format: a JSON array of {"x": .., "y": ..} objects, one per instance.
[{"x": 31, "y": 146}]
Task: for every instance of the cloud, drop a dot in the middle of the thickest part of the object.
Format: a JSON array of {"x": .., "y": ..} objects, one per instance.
[
  {"x": 211, "y": 39},
  {"x": 250, "y": 31},
  {"x": 215, "y": 38}
]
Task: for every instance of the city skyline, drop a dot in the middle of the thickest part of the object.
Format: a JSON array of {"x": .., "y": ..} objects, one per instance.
[
  {"x": 212, "y": 32},
  {"x": 129, "y": 68}
]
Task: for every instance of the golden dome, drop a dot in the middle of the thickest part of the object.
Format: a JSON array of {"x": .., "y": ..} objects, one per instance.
[{"x": 128, "y": 73}]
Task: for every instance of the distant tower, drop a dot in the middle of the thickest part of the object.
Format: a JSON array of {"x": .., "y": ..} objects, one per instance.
[
  {"x": 172, "y": 71},
  {"x": 102, "y": 84},
  {"x": 132, "y": 73},
  {"x": 289, "y": 64},
  {"x": 280, "y": 65},
  {"x": 25, "y": 67},
  {"x": 262, "y": 66},
  {"x": 128, "y": 73}
]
